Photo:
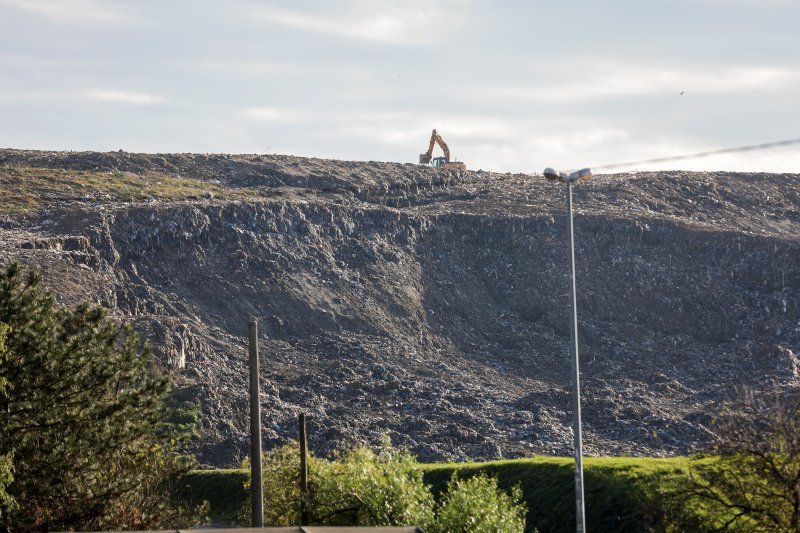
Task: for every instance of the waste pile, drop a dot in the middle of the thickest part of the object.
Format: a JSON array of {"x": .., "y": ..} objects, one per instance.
[{"x": 429, "y": 305}]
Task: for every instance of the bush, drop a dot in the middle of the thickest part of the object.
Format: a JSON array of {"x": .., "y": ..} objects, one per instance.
[
  {"x": 631, "y": 494},
  {"x": 281, "y": 485},
  {"x": 622, "y": 493},
  {"x": 365, "y": 488},
  {"x": 84, "y": 419},
  {"x": 477, "y": 504},
  {"x": 754, "y": 485},
  {"x": 362, "y": 487}
]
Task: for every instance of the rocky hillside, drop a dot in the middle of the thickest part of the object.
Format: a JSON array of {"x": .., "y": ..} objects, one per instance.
[{"x": 428, "y": 305}]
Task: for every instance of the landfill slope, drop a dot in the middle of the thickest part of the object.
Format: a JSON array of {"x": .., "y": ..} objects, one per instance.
[{"x": 430, "y": 306}]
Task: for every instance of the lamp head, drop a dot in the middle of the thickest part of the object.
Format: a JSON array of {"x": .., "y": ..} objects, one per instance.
[
  {"x": 584, "y": 174},
  {"x": 556, "y": 175},
  {"x": 552, "y": 174}
]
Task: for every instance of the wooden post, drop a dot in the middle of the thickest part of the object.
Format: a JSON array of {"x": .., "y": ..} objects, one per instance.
[
  {"x": 256, "y": 487},
  {"x": 303, "y": 471}
]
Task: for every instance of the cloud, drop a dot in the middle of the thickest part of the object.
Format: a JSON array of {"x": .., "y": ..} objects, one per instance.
[
  {"x": 404, "y": 23},
  {"x": 238, "y": 66},
  {"x": 403, "y": 128},
  {"x": 277, "y": 114},
  {"x": 398, "y": 128},
  {"x": 614, "y": 80},
  {"x": 72, "y": 11},
  {"x": 568, "y": 151},
  {"x": 771, "y": 160},
  {"x": 126, "y": 97},
  {"x": 512, "y": 143},
  {"x": 760, "y": 4}
]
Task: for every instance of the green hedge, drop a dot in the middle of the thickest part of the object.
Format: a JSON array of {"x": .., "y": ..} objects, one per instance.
[{"x": 622, "y": 493}]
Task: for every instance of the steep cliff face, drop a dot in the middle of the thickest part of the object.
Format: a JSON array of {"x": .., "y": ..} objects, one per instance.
[{"x": 430, "y": 306}]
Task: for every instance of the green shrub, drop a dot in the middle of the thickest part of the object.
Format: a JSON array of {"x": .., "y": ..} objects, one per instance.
[
  {"x": 631, "y": 494},
  {"x": 181, "y": 417},
  {"x": 365, "y": 488},
  {"x": 281, "y": 485},
  {"x": 383, "y": 487},
  {"x": 477, "y": 504}
]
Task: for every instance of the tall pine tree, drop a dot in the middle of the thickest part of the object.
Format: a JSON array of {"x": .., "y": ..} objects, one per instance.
[
  {"x": 5, "y": 459},
  {"x": 82, "y": 418}
]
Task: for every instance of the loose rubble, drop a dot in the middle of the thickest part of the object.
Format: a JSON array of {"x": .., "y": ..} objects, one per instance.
[{"x": 432, "y": 305}]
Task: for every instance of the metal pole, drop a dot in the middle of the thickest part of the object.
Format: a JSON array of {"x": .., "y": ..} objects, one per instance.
[
  {"x": 576, "y": 376},
  {"x": 256, "y": 487},
  {"x": 303, "y": 471}
]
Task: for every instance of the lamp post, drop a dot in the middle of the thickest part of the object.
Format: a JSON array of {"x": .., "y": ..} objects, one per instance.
[{"x": 569, "y": 179}]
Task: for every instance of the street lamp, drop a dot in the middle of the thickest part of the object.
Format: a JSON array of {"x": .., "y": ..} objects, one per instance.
[{"x": 569, "y": 179}]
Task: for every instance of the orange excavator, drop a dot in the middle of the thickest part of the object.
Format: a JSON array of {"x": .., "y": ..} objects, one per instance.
[{"x": 439, "y": 162}]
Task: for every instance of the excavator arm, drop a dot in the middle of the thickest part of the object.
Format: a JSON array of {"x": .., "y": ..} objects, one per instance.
[
  {"x": 425, "y": 158},
  {"x": 439, "y": 162}
]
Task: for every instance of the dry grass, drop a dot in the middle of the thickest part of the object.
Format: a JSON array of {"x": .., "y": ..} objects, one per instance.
[{"x": 27, "y": 189}]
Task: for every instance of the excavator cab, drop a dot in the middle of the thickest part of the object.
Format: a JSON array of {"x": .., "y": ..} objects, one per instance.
[{"x": 439, "y": 162}]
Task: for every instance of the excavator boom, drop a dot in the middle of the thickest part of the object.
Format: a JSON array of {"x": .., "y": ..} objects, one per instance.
[{"x": 427, "y": 157}]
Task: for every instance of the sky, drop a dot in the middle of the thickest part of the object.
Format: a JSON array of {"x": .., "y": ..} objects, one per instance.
[{"x": 512, "y": 86}]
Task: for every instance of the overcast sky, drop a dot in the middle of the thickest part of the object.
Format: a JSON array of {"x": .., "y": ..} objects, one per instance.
[{"x": 511, "y": 85}]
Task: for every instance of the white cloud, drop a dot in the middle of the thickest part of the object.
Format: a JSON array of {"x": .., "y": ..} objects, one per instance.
[
  {"x": 72, "y": 11},
  {"x": 316, "y": 78},
  {"x": 613, "y": 80},
  {"x": 238, "y": 66},
  {"x": 126, "y": 97},
  {"x": 772, "y": 160},
  {"x": 31, "y": 62},
  {"x": 754, "y": 3},
  {"x": 511, "y": 138},
  {"x": 282, "y": 115},
  {"x": 491, "y": 142},
  {"x": 637, "y": 150},
  {"x": 404, "y": 128},
  {"x": 567, "y": 152},
  {"x": 406, "y": 23},
  {"x": 483, "y": 141},
  {"x": 23, "y": 97}
]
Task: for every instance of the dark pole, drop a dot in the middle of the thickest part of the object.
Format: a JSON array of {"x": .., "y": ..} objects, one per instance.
[
  {"x": 303, "y": 471},
  {"x": 576, "y": 377},
  {"x": 256, "y": 488}
]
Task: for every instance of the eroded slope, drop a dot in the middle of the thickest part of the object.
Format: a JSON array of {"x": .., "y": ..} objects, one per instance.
[{"x": 432, "y": 306}]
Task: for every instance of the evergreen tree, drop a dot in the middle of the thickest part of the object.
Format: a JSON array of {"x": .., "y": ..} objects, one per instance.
[
  {"x": 5, "y": 460},
  {"x": 82, "y": 418}
]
